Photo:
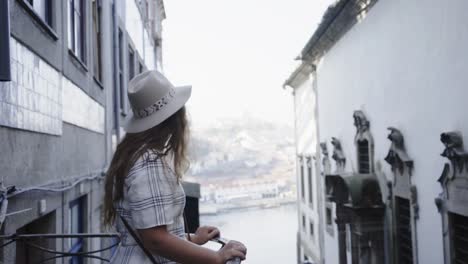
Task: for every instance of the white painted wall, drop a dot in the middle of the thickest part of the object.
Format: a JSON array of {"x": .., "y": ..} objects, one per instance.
[{"x": 405, "y": 65}]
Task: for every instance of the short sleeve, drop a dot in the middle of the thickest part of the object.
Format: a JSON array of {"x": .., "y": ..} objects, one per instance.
[{"x": 150, "y": 195}]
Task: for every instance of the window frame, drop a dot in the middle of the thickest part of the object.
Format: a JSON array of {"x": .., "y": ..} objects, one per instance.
[
  {"x": 302, "y": 178},
  {"x": 400, "y": 203},
  {"x": 79, "y": 55},
  {"x": 96, "y": 10},
  {"x": 80, "y": 244},
  {"x": 121, "y": 71},
  {"x": 47, "y": 23},
  {"x": 310, "y": 181},
  {"x": 131, "y": 62}
]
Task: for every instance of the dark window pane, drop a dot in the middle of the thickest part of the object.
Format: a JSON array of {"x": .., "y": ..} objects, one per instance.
[
  {"x": 76, "y": 27},
  {"x": 403, "y": 230},
  {"x": 131, "y": 64},
  {"x": 77, "y": 35},
  {"x": 311, "y": 183},
  {"x": 77, "y": 216},
  {"x": 329, "y": 216},
  {"x": 97, "y": 40},
  {"x": 363, "y": 156},
  {"x": 71, "y": 26},
  {"x": 43, "y": 225},
  {"x": 43, "y": 9},
  {"x": 302, "y": 183},
  {"x": 459, "y": 237}
]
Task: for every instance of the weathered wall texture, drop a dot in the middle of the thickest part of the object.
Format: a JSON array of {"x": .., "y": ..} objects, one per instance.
[{"x": 405, "y": 66}]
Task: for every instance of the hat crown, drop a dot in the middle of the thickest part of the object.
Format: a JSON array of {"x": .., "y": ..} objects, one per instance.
[{"x": 147, "y": 88}]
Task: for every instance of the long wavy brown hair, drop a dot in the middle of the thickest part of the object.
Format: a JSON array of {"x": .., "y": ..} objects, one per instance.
[{"x": 169, "y": 137}]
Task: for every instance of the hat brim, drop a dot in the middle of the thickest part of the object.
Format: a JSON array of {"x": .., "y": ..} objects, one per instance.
[{"x": 136, "y": 125}]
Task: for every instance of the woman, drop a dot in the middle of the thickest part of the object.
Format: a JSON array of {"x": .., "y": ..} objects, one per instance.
[{"x": 142, "y": 188}]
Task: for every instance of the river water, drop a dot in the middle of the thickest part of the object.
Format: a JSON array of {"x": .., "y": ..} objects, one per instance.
[{"x": 269, "y": 234}]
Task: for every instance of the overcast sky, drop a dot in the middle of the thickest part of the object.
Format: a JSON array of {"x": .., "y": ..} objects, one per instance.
[{"x": 237, "y": 54}]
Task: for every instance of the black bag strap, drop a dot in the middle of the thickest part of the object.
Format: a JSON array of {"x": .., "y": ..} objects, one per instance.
[{"x": 138, "y": 240}]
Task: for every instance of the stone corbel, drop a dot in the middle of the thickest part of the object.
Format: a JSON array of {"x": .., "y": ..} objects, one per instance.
[
  {"x": 454, "y": 151},
  {"x": 338, "y": 155},
  {"x": 361, "y": 123},
  {"x": 309, "y": 162},
  {"x": 439, "y": 202},
  {"x": 397, "y": 156},
  {"x": 324, "y": 149}
]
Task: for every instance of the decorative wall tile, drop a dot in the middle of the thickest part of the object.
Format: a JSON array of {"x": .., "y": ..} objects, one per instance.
[
  {"x": 32, "y": 100},
  {"x": 80, "y": 109},
  {"x": 38, "y": 97}
]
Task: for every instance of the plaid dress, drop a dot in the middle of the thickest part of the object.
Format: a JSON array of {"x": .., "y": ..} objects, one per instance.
[{"x": 152, "y": 197}]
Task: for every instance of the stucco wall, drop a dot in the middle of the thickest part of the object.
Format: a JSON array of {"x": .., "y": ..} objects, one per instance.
[{"x": 405, "y": 65}]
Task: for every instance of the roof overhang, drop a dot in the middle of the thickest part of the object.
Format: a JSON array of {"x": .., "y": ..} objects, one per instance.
[
  {"x": 299, "y": 75},
  {"x": 336, "y": 21}
]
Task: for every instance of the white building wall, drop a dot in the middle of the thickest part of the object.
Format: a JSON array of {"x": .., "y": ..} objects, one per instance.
[
  {"x": 405, "y": 65},
  {"x": 306, "y": 140}
]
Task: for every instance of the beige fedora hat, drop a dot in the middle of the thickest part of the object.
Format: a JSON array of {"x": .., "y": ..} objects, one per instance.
[{"x": 153, "y": 99}]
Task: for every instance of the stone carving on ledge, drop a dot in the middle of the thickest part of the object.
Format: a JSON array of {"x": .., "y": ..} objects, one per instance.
[
  {"x": 454, "y": 151},
  {"x": 338, "y": 155},
  {"x": 397, "y": 156},
  {"x": 362, "y": 125},
  {"x": 453, "y": 171}
]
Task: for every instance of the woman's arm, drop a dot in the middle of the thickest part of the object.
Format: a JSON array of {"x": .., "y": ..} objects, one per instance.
[{"x": 163, "y": 243}]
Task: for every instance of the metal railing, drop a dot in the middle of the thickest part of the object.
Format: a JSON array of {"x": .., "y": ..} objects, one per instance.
[
  {"x": 28, "y": 240},
  {"x": 223, "y": 242}
]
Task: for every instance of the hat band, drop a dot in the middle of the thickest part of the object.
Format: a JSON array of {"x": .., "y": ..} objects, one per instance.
[{"x": 147, "y": 111}]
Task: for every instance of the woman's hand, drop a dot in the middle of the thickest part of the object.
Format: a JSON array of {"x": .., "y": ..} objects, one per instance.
[
  {"x": 232, "y": 250},
  {"x": 204, "y": 234}
]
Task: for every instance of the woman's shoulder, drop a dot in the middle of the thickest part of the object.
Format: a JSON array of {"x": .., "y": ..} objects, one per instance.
[
  {"x": 150, "y": 162},
  {"x": 149, "y": 158}
]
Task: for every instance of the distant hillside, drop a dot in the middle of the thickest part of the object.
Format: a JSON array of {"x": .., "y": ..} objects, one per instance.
[{"x": 241, "y": 148}]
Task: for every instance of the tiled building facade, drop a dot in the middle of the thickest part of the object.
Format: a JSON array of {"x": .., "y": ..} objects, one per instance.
[
  {"x": 61, "y": 110},
  {"x": 383, "y": 85}
]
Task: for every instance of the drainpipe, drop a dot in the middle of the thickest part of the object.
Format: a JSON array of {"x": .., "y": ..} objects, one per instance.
[{"x": 5, "y": 70}]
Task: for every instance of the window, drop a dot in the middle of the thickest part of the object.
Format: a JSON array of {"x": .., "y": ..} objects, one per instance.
[
  {"x": 43, "y": 9},
  {"x": 459, "y": 237},
  {"x": 311, "y": 226},
  {"x": 76, "y": 28},
  {"x": 329, "y": 216},
  {"x": 363, "y": 156},
  {"x": 309, "y": 173},
  {"x": 302, "y": 183},
  {"x": 304, "y": 222},
  {"x": 97, "y": 35},
  {"x": 131, "y": 63},
  {"x": 403, "y": 231},
  {"x": 123, "y": 108},
  {"x": 76, "y": 226},
  {"x": 44, "y": 225}
]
